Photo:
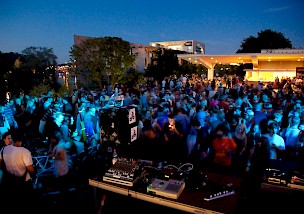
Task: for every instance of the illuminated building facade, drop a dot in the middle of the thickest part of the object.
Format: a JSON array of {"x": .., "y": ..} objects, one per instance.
[
  {"x": 188, "y": 46},
  {"x": 266, "y": 65},
  {"x": 184, "y": 46}
]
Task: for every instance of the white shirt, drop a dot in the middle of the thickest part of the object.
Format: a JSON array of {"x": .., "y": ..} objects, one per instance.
[
  {"x": 278, "y": 141},
  {"x": 61, "y": 167},
  {"x": 163, "y": 83},
  {"x": 16, "y": 160}
]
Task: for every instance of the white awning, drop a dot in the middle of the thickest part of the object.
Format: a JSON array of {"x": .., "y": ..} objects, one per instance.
[{"x": 269, "y": 70}]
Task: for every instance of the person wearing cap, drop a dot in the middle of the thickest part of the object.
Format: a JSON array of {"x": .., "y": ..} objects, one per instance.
[{"x": 249, "y": 117}]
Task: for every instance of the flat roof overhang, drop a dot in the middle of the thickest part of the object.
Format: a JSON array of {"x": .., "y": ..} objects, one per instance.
[{"x": 210, "y": 60}]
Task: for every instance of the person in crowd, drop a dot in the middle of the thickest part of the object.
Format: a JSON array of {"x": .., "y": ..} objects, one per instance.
[
  {"x": 198, "y": 143},
  {"x": 259, "y": 115},
  {"x": 223, "y": 149},
  {"x": 257, "y": 163},
  {"x": 255, "y": 99},
  {"x": 213, "y": 113},
  {"x": 276, "y": 142},
  {"x": 90, "y": 130},
  {"x": 17, "y": 177},
  {"x": 297, "y": 109},
  {"x": 4, "y": 124},
  {"x": 163, "y": 116},
  {"x": 61, "y": 165},
  {"x": 174, "y": 141},
  {"x": 253, "y": 136},
  {"x": 80, "y": 122},
  {"x": 220, "y": 118},
  {"x": 290, "y": 136},
  {"x": 259, "y": 157},
  {"x": 127, "y": 99},
  {"x": 248, "y": 116},
  {"x": 67, "y": 107},
  {"x": 49, "y": 111},
  {"x": 183, "y": 119},
  {"x": 8, "y": 112},
  {"x": 240, "y": 138},
  {"x": 149, "y": 144},
  {"x": 20, "y": 109},
  {"x": 6, "y": 140},
  {"x": 202, "y": 113},
  {"x": 54, "y": 123},
  {"x": 192, "y": 143}
]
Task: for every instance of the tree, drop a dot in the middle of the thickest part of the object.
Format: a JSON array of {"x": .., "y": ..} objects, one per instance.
[
  {"x": 164, "y": 63},
  {"x": 133, "y": 77},
  {"x": 266, "y": 39},
  {"x": 41, "y": 62},
  {"x": 6, "y": 69},
  {"x": 99, "y": 58}
]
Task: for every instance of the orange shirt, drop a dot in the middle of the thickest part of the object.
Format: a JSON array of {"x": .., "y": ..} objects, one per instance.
[{"x": 223, "y": 149}]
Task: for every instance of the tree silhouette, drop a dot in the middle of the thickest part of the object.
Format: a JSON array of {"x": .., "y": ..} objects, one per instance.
[{"x": 266, "y": 39}]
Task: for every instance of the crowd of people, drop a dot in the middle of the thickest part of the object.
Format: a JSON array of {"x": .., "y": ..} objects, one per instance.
[{"x": 225, "y": 123}]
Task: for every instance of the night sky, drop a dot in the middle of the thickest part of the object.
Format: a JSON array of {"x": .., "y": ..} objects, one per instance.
[{"x": 222, "y": 25}]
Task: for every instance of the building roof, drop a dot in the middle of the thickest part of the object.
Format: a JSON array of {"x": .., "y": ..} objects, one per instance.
[{"x": 210, "y": 60}]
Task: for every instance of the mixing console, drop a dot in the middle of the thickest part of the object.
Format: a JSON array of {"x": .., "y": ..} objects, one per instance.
[{"x": 123, "y": 172}]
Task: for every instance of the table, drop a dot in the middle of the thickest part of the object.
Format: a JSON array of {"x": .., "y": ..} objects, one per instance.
[{"x": 191, "y": 199}]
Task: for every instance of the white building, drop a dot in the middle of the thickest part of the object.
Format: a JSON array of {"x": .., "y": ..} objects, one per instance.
[{"x": 189, "y": 46}]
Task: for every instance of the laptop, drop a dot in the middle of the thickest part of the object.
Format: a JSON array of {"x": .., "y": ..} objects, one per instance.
[{"x": 167, "y": 188}]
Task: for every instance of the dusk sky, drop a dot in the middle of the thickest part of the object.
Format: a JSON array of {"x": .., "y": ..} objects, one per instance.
[{"x": 222, "y": 25}]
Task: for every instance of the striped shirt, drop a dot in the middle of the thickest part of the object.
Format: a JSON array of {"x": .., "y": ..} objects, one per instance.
[{"x": 8, "y": 113}]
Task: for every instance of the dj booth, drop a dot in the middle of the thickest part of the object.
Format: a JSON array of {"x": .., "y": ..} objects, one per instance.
[
  {"x": 185, "y": 188},
  {"x": 193, "y": 192}
]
